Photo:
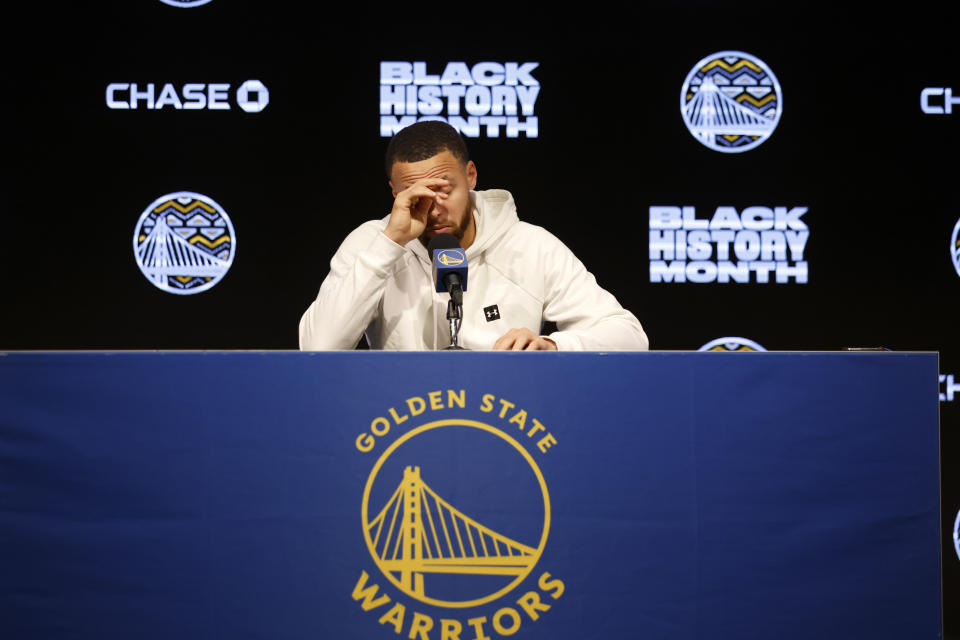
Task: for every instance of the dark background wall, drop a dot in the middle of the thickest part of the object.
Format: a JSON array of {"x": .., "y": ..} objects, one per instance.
[{"x": 877, "y": 174}]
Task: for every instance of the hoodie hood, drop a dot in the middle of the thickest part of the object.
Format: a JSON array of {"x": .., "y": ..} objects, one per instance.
[{"x": 494, "y": 213}]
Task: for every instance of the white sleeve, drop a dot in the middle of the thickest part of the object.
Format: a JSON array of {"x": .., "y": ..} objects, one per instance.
[
  {"x": 588, "y": 317},
  {"x": 351, "y": 294}
]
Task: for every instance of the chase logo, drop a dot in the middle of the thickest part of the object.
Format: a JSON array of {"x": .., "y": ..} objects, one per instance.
[
  {"x": 731, "y": 101},
  {"x": 252, "y": 96},
  {"x": 731, "y": 344},
  {"x": 450, "y": 257},
  {"x": 950, "y": 387},
  {"x": 955, "y": 247},
  {"x": 184, "y": 243},
  {"x": 938, "y": 100},
  {"x": 185, "y": 3},
  {"x": 460, "y": 531}
]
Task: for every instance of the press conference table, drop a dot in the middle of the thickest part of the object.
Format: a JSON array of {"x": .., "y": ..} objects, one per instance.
[{"x": 469, "y": 495}]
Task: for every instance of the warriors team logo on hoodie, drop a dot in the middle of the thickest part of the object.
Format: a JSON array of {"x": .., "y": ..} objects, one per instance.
[
  {"x": 731, "y": 101},
  {"x": 184, "y": 243}
]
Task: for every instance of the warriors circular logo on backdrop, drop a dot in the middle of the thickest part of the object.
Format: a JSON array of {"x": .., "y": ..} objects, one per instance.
[
  {"x": 731, "y": 101},
  {"x": 956, "y": 534},
  {"x": 731, "y": 344},
  {"x": 184, "y": 243},
  {"x": 955, "y": 247},
  {"x": 417, "y": 513},
  {"x": 185, "y": 3}
]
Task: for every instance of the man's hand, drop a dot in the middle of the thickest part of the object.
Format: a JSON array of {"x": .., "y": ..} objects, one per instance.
[
  {"x": 524, "y": 340},
  {"x": 411, "y": 209}
]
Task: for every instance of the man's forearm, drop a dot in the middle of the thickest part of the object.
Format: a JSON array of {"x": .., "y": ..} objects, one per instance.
[
  {"x": 619, "y": 332},
  {"x": 349, "y": 297}
]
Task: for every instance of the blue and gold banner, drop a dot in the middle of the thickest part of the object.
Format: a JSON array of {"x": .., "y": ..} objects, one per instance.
[{"x": 469, "y": 496}]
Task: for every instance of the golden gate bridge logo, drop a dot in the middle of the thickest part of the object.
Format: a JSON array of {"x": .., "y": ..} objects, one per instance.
[
  {"x": 731, "y": 344},
  {"x": 185, "y": 3},
  {"x": 184, "y": 243},
  {"x": 955, "y": 247},
  {"x": 731, "y": 101},
  {"x": 434, "y": 537},
  {"x": 417, "y": 533},
  {"x": 956, "y": 534}
]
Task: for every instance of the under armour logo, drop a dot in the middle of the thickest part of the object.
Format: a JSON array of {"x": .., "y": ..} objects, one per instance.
[{"x": 492, "y": 313}]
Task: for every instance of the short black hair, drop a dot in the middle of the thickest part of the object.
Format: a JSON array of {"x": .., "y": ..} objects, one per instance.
[{"x": 423, "y": 140}]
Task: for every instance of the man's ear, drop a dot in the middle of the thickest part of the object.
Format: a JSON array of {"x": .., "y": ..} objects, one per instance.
[
  {"x": 392, "y": 190},
  {"x": 471, "y": 174}
]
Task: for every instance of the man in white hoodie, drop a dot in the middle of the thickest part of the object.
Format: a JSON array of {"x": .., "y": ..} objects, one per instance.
[{"x": 380, "y": 281}]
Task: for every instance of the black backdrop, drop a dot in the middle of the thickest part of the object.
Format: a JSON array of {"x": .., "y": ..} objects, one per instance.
[{"x": 853, "y": 145}]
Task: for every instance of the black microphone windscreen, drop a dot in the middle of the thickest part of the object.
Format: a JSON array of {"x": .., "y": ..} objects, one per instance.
[{"x": 443, "y": 241}]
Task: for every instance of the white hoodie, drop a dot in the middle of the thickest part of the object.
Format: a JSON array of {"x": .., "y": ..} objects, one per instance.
[{"x": 386, "y": 290}]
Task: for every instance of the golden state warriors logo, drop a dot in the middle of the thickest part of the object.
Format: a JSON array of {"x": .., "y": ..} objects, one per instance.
[
  {"x": 450, "y": 257},
  {"x": 418, "y": 535},
  {"x": 455, "y": 514},
  {"x": 731, "y": 101},
  {"x": 731, "y": 344},
  {"x": 955, "y": 247},
  {"x": 184, "y": 242}
]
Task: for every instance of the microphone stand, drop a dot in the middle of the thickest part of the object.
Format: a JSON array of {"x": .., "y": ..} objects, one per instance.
[{"x": 454, "y": 316}]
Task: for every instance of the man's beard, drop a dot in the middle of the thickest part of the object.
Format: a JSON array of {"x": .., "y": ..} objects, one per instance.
[{"x": 456, "y": 230}]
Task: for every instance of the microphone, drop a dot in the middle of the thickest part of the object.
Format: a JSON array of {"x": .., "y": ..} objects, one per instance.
[{"x": 449, "y": 266}]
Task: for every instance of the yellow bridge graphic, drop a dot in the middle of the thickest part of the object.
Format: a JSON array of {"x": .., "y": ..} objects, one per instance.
[{"x": 426, "y": 534}]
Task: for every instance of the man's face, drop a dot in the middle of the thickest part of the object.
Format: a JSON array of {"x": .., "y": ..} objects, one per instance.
[{"x": 452, "y": 214}]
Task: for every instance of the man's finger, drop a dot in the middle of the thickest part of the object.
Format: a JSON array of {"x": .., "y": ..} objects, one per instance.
[
  {"x": 421, "y": 208},
  {"x": 522, "y": 341},
  {"x": 507, "y": 340},
  {"x": 429, "y": 183},
  {"x": 420, "y": 202},
  {"x": 416, "y": 192}
]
